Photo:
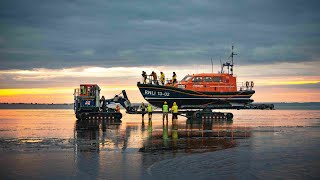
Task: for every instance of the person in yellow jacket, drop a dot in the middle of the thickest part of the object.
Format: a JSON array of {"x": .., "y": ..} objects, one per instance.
[
  {"x": 143, "y": 110},
  {"x": 165, "y": 111},
  {"x": 174, "y": 111},
  {"x": 149, "y": 108},
  {"x": 162, "y": 78}
]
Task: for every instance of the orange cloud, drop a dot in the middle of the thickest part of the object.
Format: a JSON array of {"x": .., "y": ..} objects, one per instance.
[
  {"x": 277, "y": 94},
  {"x": 267, "y": 78},
  {"x": 60, "y": 95}
]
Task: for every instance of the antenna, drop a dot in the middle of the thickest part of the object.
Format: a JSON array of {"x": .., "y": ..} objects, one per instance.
[
  {"x": 232, "y": 54},
  {"x": 221, "y": 66},
  {"x": 211, "y": 66}
]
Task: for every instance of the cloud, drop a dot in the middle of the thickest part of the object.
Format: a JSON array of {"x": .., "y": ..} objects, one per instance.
[
  {"x": 285, "y": 94},
  {"x": 88, "y": 52},
  {"x": 64, "y": 34},
  {"x": 305, "y": 85}
]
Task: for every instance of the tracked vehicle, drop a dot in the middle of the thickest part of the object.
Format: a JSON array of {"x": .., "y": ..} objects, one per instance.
[{"x": 87, "y": 103}]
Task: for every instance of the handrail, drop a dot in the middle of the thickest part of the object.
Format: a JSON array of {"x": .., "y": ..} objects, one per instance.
[
  {"x": 149, "y": 80},
  {"x": 241, "y": 86}
]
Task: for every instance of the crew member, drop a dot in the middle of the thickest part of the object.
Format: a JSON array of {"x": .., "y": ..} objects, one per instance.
[
  {"x": 174, "y": 111},
  {"x": 165, "y": 111},
  {"x": 162, "y": 78},
  {"x": 174, "y": 78},
  {"x": 154, "y": 76},
  {"x": 143, "y": 109},
  {"x": 118, "y": 108},
  {"x": 144, "y": 76},
  {"x": 116, "y": 98},
  {"x": 103, "y": 102},
  {"x": 149, "y": 108}
]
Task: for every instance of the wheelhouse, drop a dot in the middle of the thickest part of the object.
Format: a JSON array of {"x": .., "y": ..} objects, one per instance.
[{"x": 209, "y": 82}]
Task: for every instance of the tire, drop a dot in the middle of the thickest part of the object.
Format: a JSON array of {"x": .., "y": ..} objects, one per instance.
[
  {"x": 78, "y": 116},
  {"x": 83, "y": 116},
  {"x": 198, "y": 115},
  {"x": 229, "y": 116},
  {"x": 214, "y": 115},
  {"x": 118, "y": 116},
  {"x": 189, "y": 114}
]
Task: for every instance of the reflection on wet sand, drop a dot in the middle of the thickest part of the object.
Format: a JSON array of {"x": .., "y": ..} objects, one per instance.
[
  {"x": 165, "y": 135},
  {"x": 194, "y": 136},
  {"x": 182, "y": 136},
  {"x": 93, "y": 135},
  {"x": 155, "y": 140},
  {"x": 107, "y": 138}
]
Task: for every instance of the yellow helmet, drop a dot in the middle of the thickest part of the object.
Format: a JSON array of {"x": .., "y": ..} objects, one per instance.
[
  {"x": 165, "y": 102},
  {"x": 174, "y": 103}
]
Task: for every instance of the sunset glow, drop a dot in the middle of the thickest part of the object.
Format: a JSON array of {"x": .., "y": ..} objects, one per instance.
[{"x": 113, "y": 80}]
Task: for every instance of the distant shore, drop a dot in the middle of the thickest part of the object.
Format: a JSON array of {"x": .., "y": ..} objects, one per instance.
[
  {"x": 278, "y": 105},
  {"x": 35, "y": 106}
]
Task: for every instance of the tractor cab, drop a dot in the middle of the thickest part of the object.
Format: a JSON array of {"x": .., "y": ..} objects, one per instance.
[{"x": 87, "y": 98}]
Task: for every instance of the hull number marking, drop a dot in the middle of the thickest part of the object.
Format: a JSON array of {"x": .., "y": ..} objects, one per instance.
[{"x": 156, "y": 93}]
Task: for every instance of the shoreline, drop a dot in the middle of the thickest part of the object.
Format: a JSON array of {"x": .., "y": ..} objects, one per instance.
[{"x": 278, "y": 106}]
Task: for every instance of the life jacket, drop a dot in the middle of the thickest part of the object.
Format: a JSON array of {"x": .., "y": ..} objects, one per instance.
[
  {"x": 174, "y": 78},
  {"x": 165, "y": 108},
  {"x": 174, "y": 108},
  {"x": 162, "y": 77}
]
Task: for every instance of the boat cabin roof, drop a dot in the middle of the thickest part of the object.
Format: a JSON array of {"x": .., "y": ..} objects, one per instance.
[
  {"x": 211, "y": 74},
  {"x": 88, "y": 84},
  {"x": 188, "y": 77}
]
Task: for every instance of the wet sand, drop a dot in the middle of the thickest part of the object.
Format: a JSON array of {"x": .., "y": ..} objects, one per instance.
[{"x": 51, "y": 144}]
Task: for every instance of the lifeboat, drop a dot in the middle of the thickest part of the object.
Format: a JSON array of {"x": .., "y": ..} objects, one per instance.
[{"x": 198, "y": 91}]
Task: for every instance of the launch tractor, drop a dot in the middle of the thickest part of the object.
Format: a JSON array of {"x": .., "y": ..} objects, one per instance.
[{"x": 87, "y": 103}]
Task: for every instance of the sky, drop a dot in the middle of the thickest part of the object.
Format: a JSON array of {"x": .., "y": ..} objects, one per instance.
[{"x": 48, "y": 48}]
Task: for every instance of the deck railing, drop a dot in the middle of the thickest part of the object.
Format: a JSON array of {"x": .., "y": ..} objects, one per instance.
[
  {"x": 241, "y": 86},
  {"x": 150, "y": 80}
]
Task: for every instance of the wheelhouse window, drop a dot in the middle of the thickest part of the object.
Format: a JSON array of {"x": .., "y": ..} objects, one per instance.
[
  {"x": 197, "y": 79},
  {"x": 217, "y": 79},
  {"x": 90, "y": 91},
  {"x": 207, "y": 79},
  {"x": 83, "y": 90},
  {"x": 87, "y": 90},
  {"x": 186, "y": 78}
]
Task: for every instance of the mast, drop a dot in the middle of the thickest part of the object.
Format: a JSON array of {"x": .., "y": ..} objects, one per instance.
[
  {"x": 221, "y": 66},
  {"x": 232, "y": 54},
  {"x": 211, "y": 66}
]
